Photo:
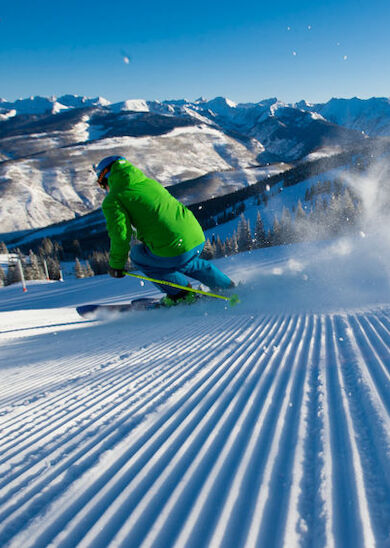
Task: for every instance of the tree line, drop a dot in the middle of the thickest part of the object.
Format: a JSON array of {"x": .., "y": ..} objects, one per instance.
[
  {"x": 331, "y": 209},
  {"x": 328, "y": 216},
  {"x": 36, "y": 266}
]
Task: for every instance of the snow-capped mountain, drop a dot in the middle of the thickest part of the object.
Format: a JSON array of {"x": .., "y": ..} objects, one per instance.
[
  {"x": 372, "y": 116},
  {"x": 45, "y": 105},
  {"x": 47, "y": 147}
]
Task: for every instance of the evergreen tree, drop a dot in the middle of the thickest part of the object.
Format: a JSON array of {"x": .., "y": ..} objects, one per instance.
[
  {"x": 46, "y": 248},
  {"x": 335, "y": 215},
  {"x": 300, "y": 228},
  {"x": 239, "y": 208},
  {"x": 88, "y": 270},
  {"x": 219, "y": 248},
  {"x": 319, "y": 221},
  {"x": 58, "y": 251},
  {"x": 268, "y": 238},
  {"x": 244, "y": 236},
  {"x": 13, "y": 273},
  {"x": 28, "y": 272},
  {"x": 3, "y": 249},
  {"x": 349, "y": 211},
  {"x": 208, "y": 250},
  {"x": 76, "y": 248},
  {"x": 286, "y": 235},
  {"x": 53, "y": 267},
  {"x": 338, "y": 188},
  {"x": 234, "y": 243},
  {"x": 99, "y": 262},
  {"x": 259, "y": 231},
  {"x": 276, "y": 232},
  {"x": 300, "y": 214},
  {"x": 359, "y": 210},
  {"x": 79, "y": 270},
  {"x": 228, "y": 247},
  {"x": 34, "y": 270}
]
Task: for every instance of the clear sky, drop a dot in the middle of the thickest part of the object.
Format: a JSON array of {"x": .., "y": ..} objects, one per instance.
[{"x": 245, "y": 50}]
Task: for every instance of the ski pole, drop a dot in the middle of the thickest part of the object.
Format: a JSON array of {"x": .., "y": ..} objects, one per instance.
[{"x": 232, "y": 300}]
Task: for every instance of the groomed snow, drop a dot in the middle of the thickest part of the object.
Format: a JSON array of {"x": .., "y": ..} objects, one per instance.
[{"x": 266, "y": 424}]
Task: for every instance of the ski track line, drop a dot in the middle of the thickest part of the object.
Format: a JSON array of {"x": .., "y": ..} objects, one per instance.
[
  {"x": 147, "y": 457},
  {"x": 372, "y": 350},
  {"x": 151, "y": 350},
  {"x": 109, "y": 409},
  {"x": 229, "y": 469},
  {"x": 249, "y": 431},
  {"x": 352, "y": 518},
  {"x": 185, "y": 538},
  {"x": 295, "y": 523},
  {"x": 379, "y": 320},
  {"x": 81, "y": 364},
  {"x": 25, "y": 409},
  {"x": 157, "y": 438},
  {"x": 129, "y": 375},
  {"x": 206, "y": 432},
  {"x": 84, "y": 364},
  {"x": 97, "y": 387},
  {"x": 93, "y": 447},
  {"x": 309, "y": 516},
  {"x": 326, "y": 484},
  {"x": 370, "y": 411},
  {"x": 275, "y": 452},
  {"x": 102, "y": 380},
  {"x": 32, "y": 383},
  {"x": 15, "y": 302},
  {"x": 158, "y": 382},
  {"x": 124, "y": 382}
]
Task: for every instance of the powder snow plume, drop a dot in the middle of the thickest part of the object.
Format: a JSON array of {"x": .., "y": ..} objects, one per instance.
[
  {"x": 372, "y": 186},
  {"x": 336, "y": 272}
]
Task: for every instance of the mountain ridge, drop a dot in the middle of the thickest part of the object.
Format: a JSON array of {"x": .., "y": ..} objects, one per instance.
[
  {"x": 47, "y": 146},
  {"x": 342, "y": 111}
]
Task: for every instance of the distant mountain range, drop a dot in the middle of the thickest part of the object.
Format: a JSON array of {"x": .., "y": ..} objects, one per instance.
[{"x": 47, "y": 146}]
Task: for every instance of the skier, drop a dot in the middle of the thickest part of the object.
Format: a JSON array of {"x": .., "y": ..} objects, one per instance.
[{"x": 172, "y": 239}]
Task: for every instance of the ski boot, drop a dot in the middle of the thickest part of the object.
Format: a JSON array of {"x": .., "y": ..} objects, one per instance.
[{"x": 182, "y": 297}]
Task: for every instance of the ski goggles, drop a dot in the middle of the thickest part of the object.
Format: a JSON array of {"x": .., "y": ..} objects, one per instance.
[{"x": 102, "y": 175}]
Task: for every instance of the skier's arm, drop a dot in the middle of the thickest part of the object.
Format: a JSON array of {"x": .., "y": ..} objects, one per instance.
[{"x": 119, "y": 230}]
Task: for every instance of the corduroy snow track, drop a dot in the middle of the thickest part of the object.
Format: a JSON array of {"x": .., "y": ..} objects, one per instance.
[{"x": 242, "y": 430}]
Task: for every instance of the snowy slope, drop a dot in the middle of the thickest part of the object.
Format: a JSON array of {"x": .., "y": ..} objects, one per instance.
[
  {"x": 279, "y": 196},
  {"x": 261, "y": 425},
  {"x": 47, "y": 147},
  {"x": 60, "y": 184}
]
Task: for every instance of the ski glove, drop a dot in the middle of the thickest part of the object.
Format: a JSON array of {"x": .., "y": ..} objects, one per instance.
[{"x": 116, "y": 272}]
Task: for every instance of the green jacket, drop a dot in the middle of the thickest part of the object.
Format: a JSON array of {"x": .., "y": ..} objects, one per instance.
[{"x": 162, "y": 223}]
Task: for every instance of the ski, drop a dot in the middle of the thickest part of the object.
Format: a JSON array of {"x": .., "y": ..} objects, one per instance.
[{"x": 92, "y": 311}]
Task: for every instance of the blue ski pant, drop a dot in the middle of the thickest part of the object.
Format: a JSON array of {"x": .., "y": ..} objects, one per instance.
[{"x": 175, "y": 269}]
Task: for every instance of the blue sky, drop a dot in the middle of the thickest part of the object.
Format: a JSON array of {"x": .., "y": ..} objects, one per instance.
[{"x": 247, "y": 50}]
